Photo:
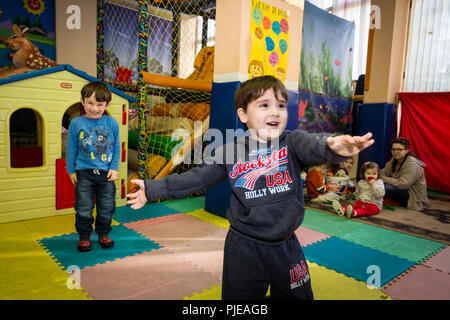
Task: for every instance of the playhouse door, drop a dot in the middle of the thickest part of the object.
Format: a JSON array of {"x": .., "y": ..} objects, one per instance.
[{"x": 65, "y": 190}]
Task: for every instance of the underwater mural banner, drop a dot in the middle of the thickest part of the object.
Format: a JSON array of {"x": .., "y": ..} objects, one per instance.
[
  {"x": 269, "y": 32},
  {"x": 325, "y": 80}
]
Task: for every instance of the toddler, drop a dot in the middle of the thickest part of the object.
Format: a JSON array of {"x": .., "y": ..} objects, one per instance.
[
  {"x": 369, "y": 194},
  {"x": 316, "y": 188}
]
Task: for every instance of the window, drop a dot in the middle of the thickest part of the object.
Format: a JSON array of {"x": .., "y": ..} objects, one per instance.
[
  {"x": 428, "y": 55},
  {"x": 26, "y": 139}
]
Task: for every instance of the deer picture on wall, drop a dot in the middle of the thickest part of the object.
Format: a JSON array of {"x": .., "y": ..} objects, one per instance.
[{"x": 27, "y": 56}]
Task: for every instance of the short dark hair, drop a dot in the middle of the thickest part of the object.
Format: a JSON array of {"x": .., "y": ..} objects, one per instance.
[
  {"x": 101, "y": 90},
  {"x": 254, "y": 88},
  {"x": 369, "y": 165}
]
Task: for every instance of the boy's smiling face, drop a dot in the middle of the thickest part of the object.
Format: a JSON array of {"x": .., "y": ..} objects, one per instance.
[
  {"x": 265, "y": 117},
  {"x": 94, "y": 109}
]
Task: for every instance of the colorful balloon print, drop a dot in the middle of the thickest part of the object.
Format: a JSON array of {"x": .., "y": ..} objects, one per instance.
[
  {"x": 257, "y": 15},
  {"x": 284, "y": 26},
  {"x": 266, "y": 23},
  {"x": 270, "y": 45},
  {"x": 276, "y": 27},
  {"x": 273, "y": 59},
  {"x": 283, "y": 46}
]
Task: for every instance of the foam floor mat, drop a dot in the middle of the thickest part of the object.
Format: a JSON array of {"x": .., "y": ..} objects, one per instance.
[
  {"x": 186, "y": 205},
  {"x": 156, "y": 275},
  {"x": 420, "y": 283},
  {"x": 355, "y": 260},
  {"x": 127, "y": 243},
  {"x": 152, "y": 210},
  {"x": 197, "y": 241},
  {"x": 395, "y": 243}
]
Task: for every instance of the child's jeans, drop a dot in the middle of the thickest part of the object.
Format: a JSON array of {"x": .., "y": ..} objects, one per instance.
[
  {"x": 365, "y": 209},
  {"x": 250, "y": 266},
  {"x": 93, "y": 186}
]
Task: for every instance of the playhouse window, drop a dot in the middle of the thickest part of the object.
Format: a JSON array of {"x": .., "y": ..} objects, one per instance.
[{"x": 26, "y": 139}]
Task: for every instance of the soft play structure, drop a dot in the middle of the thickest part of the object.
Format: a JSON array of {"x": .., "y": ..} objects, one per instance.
[
  {"x": 172, "y": 81},
  {"x": 36, "y": 109}
]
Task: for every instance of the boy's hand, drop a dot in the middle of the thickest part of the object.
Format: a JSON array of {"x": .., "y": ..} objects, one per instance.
[
  {"x": 348, "y": 146},
  {"x": 112, "y": 175},
  {"x": 137, "y": 199},
  {"x": 73, "y": 178}
]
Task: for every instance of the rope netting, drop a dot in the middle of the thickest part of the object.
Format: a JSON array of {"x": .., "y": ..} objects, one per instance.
[{"x": 162, "y": 52}]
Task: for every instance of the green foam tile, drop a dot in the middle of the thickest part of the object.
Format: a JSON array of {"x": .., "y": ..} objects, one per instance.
[
  {"x": 327, "y": 223},
  {"x": 186, "y": 205},
  {"x": 395, "y": 243}
]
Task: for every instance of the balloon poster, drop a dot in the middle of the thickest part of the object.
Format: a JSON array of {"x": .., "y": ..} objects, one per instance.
[{"x": 269, "y": 31}]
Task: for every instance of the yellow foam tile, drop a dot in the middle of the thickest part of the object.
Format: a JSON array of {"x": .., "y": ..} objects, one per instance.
[
  {"x": 211, "y": 218},
  {"x": 330, "y": 285},
  {"x": 27, "y": 272},
  {"x": 213, "y": 293}
]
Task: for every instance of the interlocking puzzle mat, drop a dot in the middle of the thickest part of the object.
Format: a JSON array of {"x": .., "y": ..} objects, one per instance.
[
  {"x": 126, "y": 214},
  {"x": 156, "y": 275},
  {"x": 197, "y": 241},
  {"x": 355, "y": 260},
  {"x": 392, "y": 242},
  {"x": 420, "y": 283},
  {"x": 127, "y": 243},
  {"x": 165, "y": 251},
  {"x": 26, "y": 270}
]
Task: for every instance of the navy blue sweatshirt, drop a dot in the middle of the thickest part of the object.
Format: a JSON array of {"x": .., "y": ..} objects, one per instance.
[{"x": 267, "y": 195}]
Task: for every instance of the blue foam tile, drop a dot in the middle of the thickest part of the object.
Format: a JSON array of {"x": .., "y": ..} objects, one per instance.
[
  {"x": 355, "y": 260},
  {"x": 152, "y": 210},
  {"x": 127, "y": 243}
]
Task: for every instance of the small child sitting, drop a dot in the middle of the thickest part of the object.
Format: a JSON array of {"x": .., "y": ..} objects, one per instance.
[
  {"x": 342, "y": 170},
  {"x": 369, "y": 194},
  {"x": 316, "y": 188}
]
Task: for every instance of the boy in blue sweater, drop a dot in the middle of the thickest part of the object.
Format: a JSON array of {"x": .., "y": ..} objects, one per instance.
[
  {"x": 266, "y": 205},
  {"x": 93, "y": 155}
]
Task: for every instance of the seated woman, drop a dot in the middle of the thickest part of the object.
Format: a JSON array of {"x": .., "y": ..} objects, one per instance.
[{"x": 404, "y": 177}]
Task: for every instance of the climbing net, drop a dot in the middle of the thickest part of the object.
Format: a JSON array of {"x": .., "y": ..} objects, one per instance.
[{"x": 162, "y": 52}]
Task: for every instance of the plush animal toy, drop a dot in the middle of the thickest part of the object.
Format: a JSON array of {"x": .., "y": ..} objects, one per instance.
[{"x": 27, "y": 56}]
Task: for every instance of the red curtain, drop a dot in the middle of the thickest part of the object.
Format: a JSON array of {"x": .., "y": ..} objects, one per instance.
[{"x": 425, "y": 121}]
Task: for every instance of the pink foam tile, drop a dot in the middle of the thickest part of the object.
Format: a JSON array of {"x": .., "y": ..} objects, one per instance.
[
  {"x": 156, "y": 275},
  {"x": 194, "y": 240},
  {"x": 145, "y": 222},
  {"x": 440, "y": 261},
  {"x": 178, "y": 232},
  {"x": 307, "y": 236},
  {"x": 204, "y": 252},
  {"x": 419, "y": 283}
]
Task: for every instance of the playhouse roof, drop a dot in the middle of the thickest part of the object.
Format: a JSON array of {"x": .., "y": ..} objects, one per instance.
[{"x": 63, "y": 67}]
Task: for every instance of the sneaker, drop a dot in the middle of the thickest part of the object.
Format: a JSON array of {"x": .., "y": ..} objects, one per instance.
[
  {"x": 84, "y": 245},
  {"x": 105, "y": 242},
  {"x": 349, "y": 212},
  {"x": 338, "y": 208}
]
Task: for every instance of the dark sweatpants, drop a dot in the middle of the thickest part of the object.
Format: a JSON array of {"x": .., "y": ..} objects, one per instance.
[{"x": 250, "y": 266}]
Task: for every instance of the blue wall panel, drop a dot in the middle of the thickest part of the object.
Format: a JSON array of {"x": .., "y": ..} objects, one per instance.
[{"x": 381, "y": 120}]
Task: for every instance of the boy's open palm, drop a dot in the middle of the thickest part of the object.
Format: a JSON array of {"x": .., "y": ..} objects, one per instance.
[
  {"x": 348, "y": 146},
  {"x": 137, "y": 199}
]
